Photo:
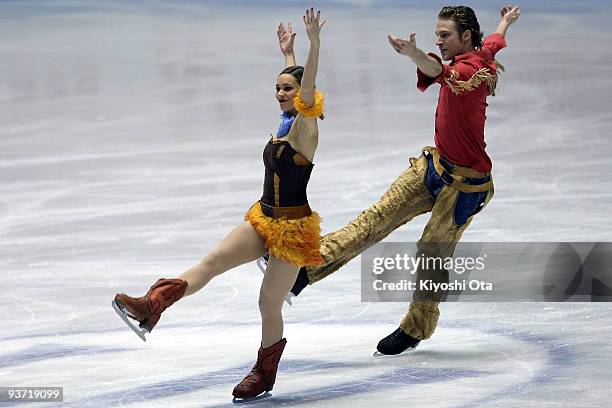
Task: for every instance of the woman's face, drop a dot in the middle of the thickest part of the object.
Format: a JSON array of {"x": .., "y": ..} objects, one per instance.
[{"x": 286, "y": 89}]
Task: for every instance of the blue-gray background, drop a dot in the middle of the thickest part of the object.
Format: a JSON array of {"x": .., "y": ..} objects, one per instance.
[{"x": 130, "y": 143}]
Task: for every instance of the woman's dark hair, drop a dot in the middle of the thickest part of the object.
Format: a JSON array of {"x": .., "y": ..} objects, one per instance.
[
  {"x": 465, "y": 19},
  {"x": 296, "y": 71}
]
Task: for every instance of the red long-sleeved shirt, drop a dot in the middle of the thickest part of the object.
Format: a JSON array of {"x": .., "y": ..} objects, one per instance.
[{"x": 460, "y": 115}]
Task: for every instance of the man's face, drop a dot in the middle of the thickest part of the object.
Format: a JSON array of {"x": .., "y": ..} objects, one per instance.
[{"x": 449, "y": 41}]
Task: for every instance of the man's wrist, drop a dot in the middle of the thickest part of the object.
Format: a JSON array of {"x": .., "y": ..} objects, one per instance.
[
  {"x": 502, "y": 27},
  {"x": 419, "y": 57}
]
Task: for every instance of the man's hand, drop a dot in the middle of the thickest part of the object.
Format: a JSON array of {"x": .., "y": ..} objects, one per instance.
[
  {"x": 428, "y": 65},
  {"x": 285, "y": 38},
  {"x": 510, "y": 14},
  {"x": 404, "y": 46}
]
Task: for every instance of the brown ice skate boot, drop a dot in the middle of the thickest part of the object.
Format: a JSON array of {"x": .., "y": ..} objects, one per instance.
[
  {"x": 147, "y": 309},
  {"x": 263, "y": 375}
]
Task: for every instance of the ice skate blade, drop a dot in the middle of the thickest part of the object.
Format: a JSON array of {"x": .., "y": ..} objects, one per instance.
[
  {"x": 262, "y": 264},
  {"x": 252, "y": 399},
  {"x": 407, "y": 351},
  {"x": 123, "y": 315}
]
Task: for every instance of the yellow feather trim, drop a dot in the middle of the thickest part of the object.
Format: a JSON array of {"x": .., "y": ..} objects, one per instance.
[
  {"x": 296, "y": 241},
  {"x": 458, "y": 86},
  {"x": 313, "y": 111}
]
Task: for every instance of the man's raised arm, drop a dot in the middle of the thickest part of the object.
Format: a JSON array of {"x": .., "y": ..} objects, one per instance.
[
  {"x": 509, "y": 15},
  {"x": 427, "y": 64}
]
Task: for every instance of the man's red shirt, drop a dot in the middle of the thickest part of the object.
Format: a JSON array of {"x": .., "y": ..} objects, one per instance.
[{"x": 460, "y": 115}]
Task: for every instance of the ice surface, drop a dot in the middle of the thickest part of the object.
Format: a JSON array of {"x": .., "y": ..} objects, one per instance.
[{"x": 130, "y": 143}]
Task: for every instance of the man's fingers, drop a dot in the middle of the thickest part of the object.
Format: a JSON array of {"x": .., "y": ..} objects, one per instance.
[
  {"x": 391, "y": 39},
  {"x": 395, "y": 47},
  {"x": 397, "y": 40}
]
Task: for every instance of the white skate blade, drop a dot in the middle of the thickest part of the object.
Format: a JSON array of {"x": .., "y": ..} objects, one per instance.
[
  {"x": 407, "y": 351},
  {"x": 252, "y": 399},
  {"x": 262, "y": 264},
  {"x": 124, "y": 316}
]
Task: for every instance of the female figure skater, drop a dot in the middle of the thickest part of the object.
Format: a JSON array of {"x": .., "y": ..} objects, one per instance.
[{"x": 280, "y": 223}]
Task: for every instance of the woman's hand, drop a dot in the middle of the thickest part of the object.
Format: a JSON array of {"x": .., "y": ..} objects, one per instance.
[
  {"x": 285, "y": 38},
  {"x": 313, "y": 25}
]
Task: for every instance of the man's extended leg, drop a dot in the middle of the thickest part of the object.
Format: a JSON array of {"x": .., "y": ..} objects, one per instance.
[
  {"x": 405, "y": 199},
  {"x": 451, "y": 215},
  {"x": 438, "y": 240}
]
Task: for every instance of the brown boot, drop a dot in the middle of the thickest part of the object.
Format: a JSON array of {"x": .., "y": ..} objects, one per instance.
[
  {"x": 147, "y": 309},
  {"x": 262, "y": 376}
]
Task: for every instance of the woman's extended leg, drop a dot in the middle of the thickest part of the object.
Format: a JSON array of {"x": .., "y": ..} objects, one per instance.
[{"x": 240, "y": 246}]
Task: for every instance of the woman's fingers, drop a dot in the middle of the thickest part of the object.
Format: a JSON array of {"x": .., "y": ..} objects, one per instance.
[{"x": 310, "y": 18}]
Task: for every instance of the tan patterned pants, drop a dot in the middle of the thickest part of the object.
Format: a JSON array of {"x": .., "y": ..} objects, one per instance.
[{"x": 405, "y": 199}]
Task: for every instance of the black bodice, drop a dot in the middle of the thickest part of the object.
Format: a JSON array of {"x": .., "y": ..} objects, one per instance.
[{"x": 287, "y": 175}]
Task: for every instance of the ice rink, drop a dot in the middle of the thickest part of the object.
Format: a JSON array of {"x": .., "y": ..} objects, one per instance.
[{"x": 130, "y": 144}]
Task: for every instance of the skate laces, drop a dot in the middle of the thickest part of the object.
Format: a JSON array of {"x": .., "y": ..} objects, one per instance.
[{"x": 395, "y": 336}]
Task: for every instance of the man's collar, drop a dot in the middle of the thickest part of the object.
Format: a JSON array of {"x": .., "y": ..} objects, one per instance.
[{"x": 464, "y": 56}]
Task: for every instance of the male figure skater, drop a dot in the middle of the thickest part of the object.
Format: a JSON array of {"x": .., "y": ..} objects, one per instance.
[{"x": 451, "y": 180}]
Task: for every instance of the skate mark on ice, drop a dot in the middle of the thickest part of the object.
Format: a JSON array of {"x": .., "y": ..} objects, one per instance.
[
  {"x": 559, "y": 359},
  {"x": 396, "y": 378},
  {"x": 28, "y": 310},
  {"x": 225, "y": 377},
  {"x": 228, "y": 377},
  {"x": 45, "y": 352}
]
